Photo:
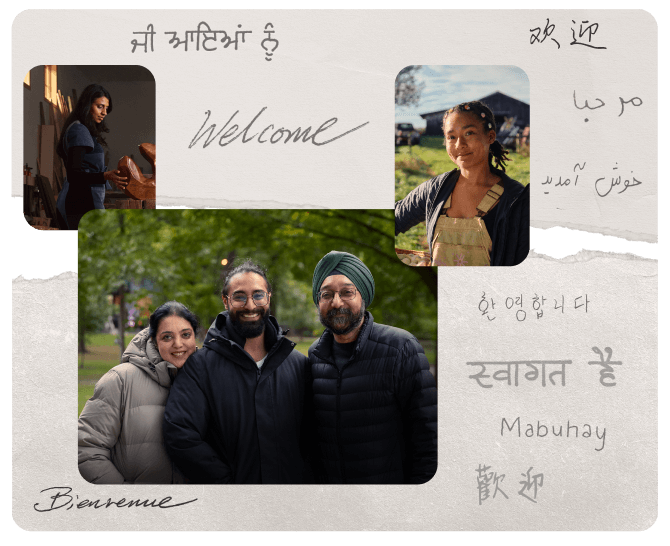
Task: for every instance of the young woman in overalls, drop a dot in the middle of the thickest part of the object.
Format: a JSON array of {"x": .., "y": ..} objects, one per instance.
[
  {"x": 80, "y": 148},
  {"x": 475, "y": 214}
]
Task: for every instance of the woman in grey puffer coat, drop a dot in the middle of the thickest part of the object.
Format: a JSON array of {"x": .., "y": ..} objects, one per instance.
[{"x": 120, "y": 427}]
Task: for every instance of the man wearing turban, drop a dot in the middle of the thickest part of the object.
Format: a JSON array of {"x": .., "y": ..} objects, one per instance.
[{"x": 375, "y": 401}]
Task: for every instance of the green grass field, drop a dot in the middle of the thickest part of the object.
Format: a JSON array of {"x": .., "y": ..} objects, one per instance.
[
  {"x": 104, "y": 354},
  {"x": 423, "y": 163}
]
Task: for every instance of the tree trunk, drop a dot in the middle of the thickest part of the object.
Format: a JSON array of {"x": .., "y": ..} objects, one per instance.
[{"x": 122, "y": 321}]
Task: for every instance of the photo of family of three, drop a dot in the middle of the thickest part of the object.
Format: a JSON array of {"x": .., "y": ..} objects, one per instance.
[{"x": 245, "y": 406}]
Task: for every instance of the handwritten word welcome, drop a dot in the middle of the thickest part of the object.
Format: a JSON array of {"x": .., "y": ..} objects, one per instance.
[{"x": 268, "y": 134}]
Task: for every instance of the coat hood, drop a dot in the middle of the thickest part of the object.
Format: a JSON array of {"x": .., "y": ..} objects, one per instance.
[{"x": 143, "y": 353}]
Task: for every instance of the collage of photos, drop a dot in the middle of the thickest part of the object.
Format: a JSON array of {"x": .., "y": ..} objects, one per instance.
[
  {"x": 293, "y": 346},
  {"x": 277, "y": 337}
]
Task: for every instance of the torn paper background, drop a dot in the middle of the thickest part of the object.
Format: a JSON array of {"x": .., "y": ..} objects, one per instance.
[
  {"x": 331, "y": 65},
  {"x": 581, "y": 475},
  {"x": 211, "y": 177},
  {"x": 550, "y": 311}
]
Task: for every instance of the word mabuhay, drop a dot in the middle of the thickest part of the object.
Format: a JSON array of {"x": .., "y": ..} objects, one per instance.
[
  {"x": 276, "y": 136},
  {"x": 61, "y": 498},
  {"x": 486, "y": 480},
  {"x": 540, "y": 430}
]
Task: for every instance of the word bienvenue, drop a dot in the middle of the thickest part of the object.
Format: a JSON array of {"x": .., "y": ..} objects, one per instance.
[
  {"x": 56, "y": 498},
  {"x": 486, "y": 481},
  {"x": 508, "y": 371},
  {"x": 206, "y": 38},
  {"x": 584, "y": 37},
  {"x": 488, "y": 305}
]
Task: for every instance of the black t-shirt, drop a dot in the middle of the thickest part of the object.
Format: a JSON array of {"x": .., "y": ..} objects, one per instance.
[{"x": 342, "y": 352}]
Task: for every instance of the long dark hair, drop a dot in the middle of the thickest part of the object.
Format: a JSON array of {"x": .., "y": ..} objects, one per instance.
[
  {"x": 483, "y": 113},
  {"x": 82, "y": 114},
  {"x": 170, "y": 309}
]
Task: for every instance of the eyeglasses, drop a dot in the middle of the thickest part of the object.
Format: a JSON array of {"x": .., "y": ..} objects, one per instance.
[
  {"x": 346, "y": 294},
  {"x": 239, "y": 299}
]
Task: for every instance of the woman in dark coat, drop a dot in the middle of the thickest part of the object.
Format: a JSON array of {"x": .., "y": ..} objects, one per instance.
[
  {"x": 475, "y": 214},
  {"x": 81, "y": 149}
]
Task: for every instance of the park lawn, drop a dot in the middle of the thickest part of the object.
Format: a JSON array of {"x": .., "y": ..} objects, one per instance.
[
  {"x": 103, "y": 354},
  {"x": 84, "y": 393},
  {"x": 107, "y": 340},
  {"x": 416, "y": 164}
]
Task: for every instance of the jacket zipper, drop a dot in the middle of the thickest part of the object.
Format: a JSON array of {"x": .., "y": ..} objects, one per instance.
[
  {"x": 274, "y": 349},
  {"x": 338, "y": 425}
]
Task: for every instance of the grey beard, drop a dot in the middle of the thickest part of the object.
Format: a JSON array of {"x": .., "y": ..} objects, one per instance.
[{"x": 342, "y": 325}]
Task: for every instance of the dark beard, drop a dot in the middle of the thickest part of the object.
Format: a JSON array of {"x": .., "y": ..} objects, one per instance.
[
  {"x": 344, "y": 324},
  {"x": 248, "y": 329}
]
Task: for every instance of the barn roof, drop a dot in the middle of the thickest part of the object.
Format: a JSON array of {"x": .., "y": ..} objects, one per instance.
[{"x": 493, "y": 97}]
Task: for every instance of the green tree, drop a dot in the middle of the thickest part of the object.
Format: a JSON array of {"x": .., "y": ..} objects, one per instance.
[
  {"x": 186, "y": 254},
  {"x": 407, "y": 90}
]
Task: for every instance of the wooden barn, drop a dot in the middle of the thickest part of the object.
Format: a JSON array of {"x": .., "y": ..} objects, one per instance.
[{"x": 512, "y": 117}]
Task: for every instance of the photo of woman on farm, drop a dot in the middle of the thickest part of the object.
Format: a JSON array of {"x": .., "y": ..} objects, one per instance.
[
  {"x": 475, "y": 214},
  {"x": 81, "y": 149},
  {"x": 120, "y": 427}
]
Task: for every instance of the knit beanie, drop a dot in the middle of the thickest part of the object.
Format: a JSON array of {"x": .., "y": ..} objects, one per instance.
[{"x": 349, "y": 266}]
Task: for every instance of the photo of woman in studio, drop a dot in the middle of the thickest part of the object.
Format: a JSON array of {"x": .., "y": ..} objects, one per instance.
[{"x": 81, "y": 149}]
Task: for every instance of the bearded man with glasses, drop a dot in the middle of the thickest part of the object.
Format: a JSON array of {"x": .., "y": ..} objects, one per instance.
[
  {"x": 375, "y": 400},
  {"x": 235, "y": 411}
]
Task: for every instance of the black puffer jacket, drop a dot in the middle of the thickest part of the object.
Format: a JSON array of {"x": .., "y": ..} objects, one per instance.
[
  {"x": 510, "y": 234},
  {"x": 226, "y": 422},
  {"x": 376, "y": 418}
]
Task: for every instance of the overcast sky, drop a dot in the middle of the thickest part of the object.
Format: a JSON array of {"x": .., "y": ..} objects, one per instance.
[{"x": 450, "y": 85}]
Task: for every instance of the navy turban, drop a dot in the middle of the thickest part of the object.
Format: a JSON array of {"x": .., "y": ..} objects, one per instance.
[{"x": 348, "y": 265}]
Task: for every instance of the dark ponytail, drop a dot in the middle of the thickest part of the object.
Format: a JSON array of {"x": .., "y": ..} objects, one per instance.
[{"x": 498, "y": 154}]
